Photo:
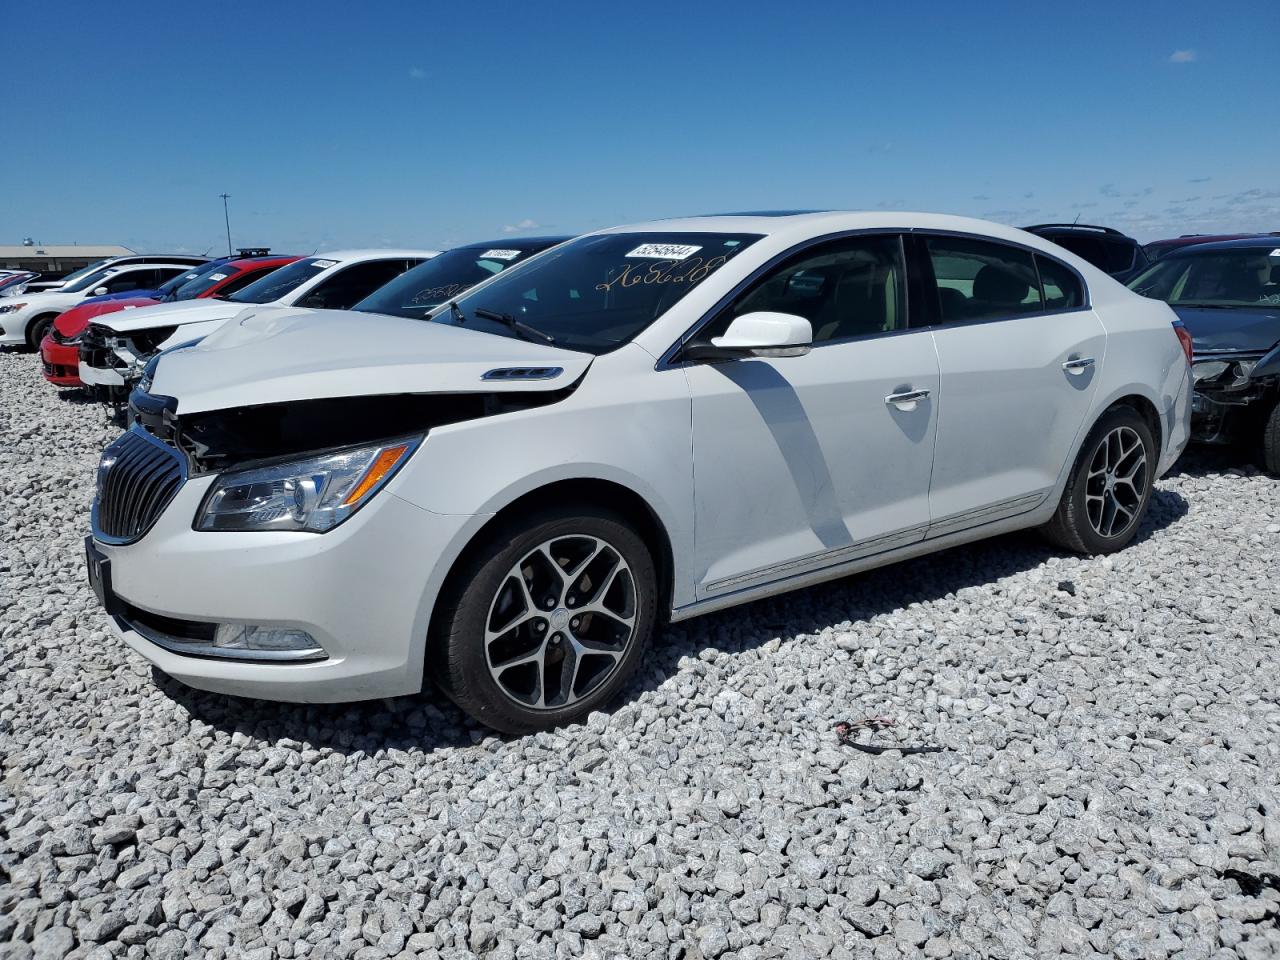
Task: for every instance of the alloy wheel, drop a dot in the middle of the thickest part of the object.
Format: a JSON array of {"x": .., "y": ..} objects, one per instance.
[
  {"x": 1116, "y": 482},
  {"x": 561, "y": 620}
]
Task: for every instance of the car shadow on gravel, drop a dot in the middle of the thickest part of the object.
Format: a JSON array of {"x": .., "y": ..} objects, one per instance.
[
  {"x": 76, "y": 396},
  {"x": 429, "y": 721},
  {"x": 425, "y": 722},
  {"x": 1209, "y": 461},
  {"x": 854, "y": 600}
]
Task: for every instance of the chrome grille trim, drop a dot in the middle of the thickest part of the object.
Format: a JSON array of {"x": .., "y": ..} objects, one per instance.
[{"x": 144, "y": 476}]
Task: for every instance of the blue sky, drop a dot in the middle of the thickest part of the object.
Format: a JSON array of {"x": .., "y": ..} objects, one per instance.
[{"x": 427, "y": 124}]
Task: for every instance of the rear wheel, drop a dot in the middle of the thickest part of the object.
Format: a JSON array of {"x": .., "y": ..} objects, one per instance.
[
  {"x": 37, "y": 328},
  {"x": 1109, "y": 487},
  {"x": 546, "y": 620}
]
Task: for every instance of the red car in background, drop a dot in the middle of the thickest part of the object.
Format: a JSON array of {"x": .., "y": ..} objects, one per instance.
[{"x": 60, "y": 349}]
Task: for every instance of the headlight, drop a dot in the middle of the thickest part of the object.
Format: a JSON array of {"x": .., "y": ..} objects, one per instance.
[
  {"x": 1208, "y": 369},
  {"x": 314, "y": 495},
  {"x": 10, "y": 307},
  {"x": 1243, "y": 369}
]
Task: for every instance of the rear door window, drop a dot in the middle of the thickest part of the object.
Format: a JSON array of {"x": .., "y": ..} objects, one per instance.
[{"x": 982, "y": 280}]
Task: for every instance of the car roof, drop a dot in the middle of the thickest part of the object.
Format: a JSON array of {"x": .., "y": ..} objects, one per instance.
[
  {"x": 280, "y": 259},
  {"x": 373, "y": 253},
  {"x": 802, "y": 224},
  {"x": 1044, "y": 229},
  {"x": 1247, "y": 243},
  {"x": 514, "y": 243},
  {"x": 122, "y": 267}
]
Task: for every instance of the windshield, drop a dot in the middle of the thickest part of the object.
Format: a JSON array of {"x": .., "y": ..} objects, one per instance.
[
  {"x": 596, "y": 293},
  {"x": 1243, "y": 277},
  {"x": 282, "y": 282},
  {"x": 194, "y": 284},
  {"x": 84, "y": 271},
  {"x": 414, "y": 293},
  {"x": 172, "y": 289},
  {"x": 89, "y": 279}
]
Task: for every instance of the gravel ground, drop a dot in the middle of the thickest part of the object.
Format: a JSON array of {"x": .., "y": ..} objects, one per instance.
[{"x": 1108, "y": 784}]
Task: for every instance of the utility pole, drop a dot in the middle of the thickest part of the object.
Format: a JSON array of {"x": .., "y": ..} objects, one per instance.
[{"x": 227, "y": 217}]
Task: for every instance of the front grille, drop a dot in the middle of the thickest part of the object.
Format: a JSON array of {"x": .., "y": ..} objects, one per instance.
[{"x": 137, "y": 478}]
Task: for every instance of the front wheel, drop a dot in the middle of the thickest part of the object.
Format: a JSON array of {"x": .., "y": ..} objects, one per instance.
[
  {"x": 1271, "y": 442},
  {"x": 1109, "y": 488},
  {"x": 546, "y": 620},
  {"x": 36, "y": 330}
]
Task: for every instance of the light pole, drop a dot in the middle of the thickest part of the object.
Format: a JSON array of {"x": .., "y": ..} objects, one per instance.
[{"x": 227, "y": 217}]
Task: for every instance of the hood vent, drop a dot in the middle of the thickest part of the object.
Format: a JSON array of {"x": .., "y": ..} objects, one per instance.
[{"x": 523, "y": 373}]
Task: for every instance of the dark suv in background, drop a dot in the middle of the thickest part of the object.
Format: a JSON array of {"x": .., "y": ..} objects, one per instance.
[{"x": 1105, "y": 247}]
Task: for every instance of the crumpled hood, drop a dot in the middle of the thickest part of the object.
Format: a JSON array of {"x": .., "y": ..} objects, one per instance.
[
  {"x": 1243, "y": 329},
  {"x": 275, "y": 355},
  {"x": 176, "y": 314}
]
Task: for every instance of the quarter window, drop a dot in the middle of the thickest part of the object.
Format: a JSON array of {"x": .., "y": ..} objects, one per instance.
[
  {"x": 847, "y": 288},
  {"x": 979, "y": 280},
  {"x": 1062, "y": 290}
]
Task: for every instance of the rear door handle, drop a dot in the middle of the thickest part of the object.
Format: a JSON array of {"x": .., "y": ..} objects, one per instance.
[
  {"x": 908, "y": 400},
  {"x": 1078, "y": 366}
]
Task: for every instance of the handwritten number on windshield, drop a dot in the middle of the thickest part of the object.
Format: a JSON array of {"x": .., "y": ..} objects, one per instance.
[{"x": 661, "y": 271}]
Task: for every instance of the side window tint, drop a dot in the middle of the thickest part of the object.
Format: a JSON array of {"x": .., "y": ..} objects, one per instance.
[
  {"x": 129, "y": 280},
  {"x": 980, "y": 280},
  {"x": 1086, "y": 248},
  {"x": 348, "y": 287},
  {"x": 1119, "y": 256},
  {"x": 243, "y": 279},
  {"x": 846, "y": 288},
  {"x": 1062, "y": 289}
]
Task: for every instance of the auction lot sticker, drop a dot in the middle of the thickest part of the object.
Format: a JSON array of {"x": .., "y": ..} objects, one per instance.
[
  {"x": 499, "y": 254},
  {"x": 664, "y": 251}
]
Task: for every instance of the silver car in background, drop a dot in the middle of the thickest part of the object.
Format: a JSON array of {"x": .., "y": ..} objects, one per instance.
[{"x": 639, "y": 425}]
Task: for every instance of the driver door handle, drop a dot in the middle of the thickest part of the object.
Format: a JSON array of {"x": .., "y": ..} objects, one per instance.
[
  {"x": 907, "y": 400},
  {"x": 1078, "y": 366}
]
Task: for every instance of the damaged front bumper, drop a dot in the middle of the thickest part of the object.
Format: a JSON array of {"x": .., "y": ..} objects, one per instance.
[
  {"x": 116, "y": 362},
  {"x": 1232, "y": 392},
  {"x": 356, "y": 591}
]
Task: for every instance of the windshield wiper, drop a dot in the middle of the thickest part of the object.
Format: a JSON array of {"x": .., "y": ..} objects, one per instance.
[
  {"x": 519, "y": 326},
  {"x": 455, "y": 312},
  {"x": 1208, "y": 306}
]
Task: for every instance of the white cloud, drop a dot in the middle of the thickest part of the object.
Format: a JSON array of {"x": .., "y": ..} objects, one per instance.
[
  {"x": 417, "y": 73},
  {"x": 525, "y": 224},
  {"x": 1182, "y": 56}
]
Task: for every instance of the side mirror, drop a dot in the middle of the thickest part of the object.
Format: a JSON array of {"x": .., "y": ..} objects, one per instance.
[
  {"x": 100, "y": 291},
  {"x": 760, "y": 334}
]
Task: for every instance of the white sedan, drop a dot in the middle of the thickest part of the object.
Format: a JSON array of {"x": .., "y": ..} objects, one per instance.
[
  {"x": 637, "y": 426},
  {"x": 114, "y": 349},
  {"x": 27, "y": 318}
]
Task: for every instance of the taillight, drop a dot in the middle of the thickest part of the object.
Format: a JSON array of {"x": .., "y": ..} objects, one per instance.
[{"x": 1184, "y": 338}]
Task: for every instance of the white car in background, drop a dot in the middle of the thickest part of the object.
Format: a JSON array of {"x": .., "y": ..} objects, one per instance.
[
  {"x": 639, "y": 425},
  {"x": 26, "y": 319},
  {"x": 43, "y": 286},
  {"x": 114, "y": 350}
]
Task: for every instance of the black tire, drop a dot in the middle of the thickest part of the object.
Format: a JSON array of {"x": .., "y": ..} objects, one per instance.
[
  {"x": 1074, "y": 527},
  {"x": 459, "y": 652},
  {"x": 37, "y": 328},
  {"x": 1271, "y": 442}
]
